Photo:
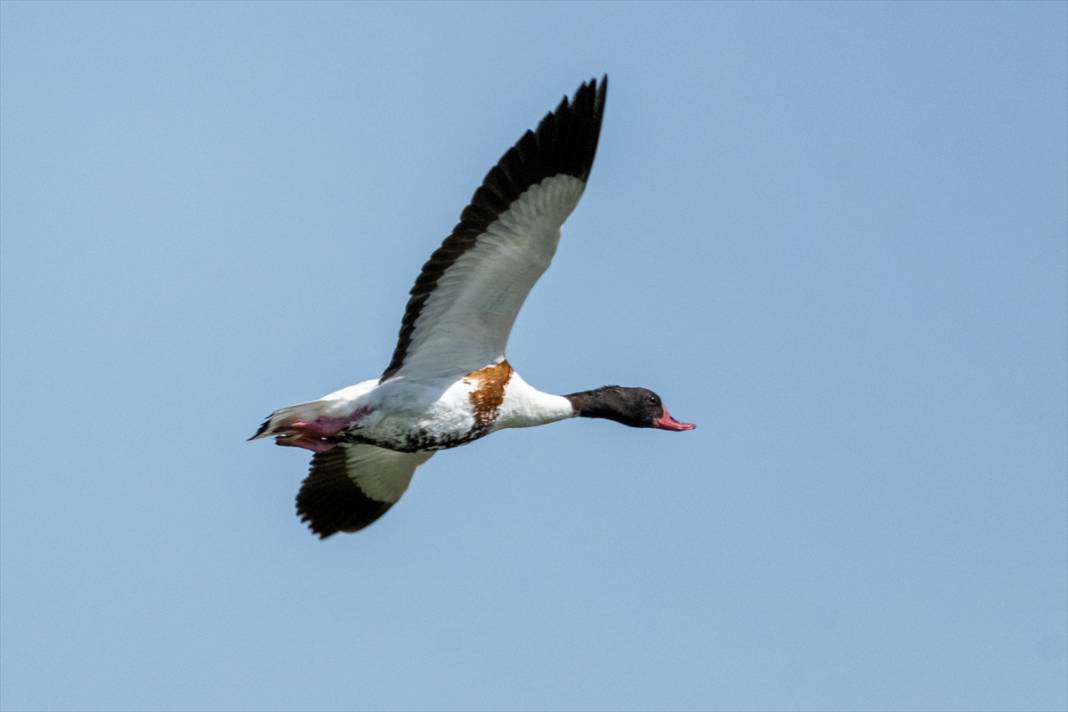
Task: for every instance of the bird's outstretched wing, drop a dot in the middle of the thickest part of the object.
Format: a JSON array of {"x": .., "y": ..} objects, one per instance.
[
  {"x": 468, "y": 294},
  {"x": 351, "y": 486}
]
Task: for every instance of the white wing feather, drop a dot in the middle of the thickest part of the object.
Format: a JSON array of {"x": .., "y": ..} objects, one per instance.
[{"x": 466, "y": 321}]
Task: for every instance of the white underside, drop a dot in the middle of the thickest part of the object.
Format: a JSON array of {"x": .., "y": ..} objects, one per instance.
[
  {"x": 398, "y": 406},
  {"x": 439, "y": 409}
]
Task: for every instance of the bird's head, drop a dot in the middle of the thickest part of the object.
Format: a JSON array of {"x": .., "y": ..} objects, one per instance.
[{"x": 635, "y": 407}]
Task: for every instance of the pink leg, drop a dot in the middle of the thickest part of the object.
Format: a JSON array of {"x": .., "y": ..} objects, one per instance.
[
  {"x": 298, "y": 440},
  {"x": 311, "y": 434},
  {"x": 325, "y": 427}
]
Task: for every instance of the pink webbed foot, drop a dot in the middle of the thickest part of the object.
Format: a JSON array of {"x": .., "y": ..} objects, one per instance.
[
  {"x": 308, "y": 443},
  {"x": 322, "y": 427},
  {"x": 315, "y": 435}
]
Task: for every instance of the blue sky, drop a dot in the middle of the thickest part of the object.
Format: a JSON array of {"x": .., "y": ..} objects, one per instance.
[{"x": 833, "y": 235}]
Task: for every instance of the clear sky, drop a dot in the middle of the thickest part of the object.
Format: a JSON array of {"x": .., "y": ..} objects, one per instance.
[{"x": 833, "y": 235}]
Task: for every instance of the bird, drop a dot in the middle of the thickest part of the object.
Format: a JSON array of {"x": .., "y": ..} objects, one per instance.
[{"x": 449, "y": 382}]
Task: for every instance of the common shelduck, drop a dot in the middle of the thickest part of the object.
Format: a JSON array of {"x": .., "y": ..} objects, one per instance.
[{"x": 449, "y": 382}]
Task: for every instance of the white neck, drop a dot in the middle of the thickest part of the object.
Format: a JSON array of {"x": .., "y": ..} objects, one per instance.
[{"x": 525, "y": 406}]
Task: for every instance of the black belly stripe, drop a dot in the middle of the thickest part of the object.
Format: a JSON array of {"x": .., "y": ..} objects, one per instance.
[{"x": 420, "y": 441}]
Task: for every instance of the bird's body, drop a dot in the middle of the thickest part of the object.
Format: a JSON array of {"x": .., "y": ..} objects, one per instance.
[
  {"x": 409, "y": 415},
  {"x": 449, "y": 382}
]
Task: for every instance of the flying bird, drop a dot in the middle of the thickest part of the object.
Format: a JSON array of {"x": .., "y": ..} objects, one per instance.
[{"x": 449, "y": 382}]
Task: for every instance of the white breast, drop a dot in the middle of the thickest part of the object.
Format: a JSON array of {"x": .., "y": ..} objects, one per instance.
[{"x": 525, "y": 406}]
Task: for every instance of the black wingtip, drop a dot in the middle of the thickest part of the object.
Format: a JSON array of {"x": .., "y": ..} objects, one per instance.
[
  {"x": 316, "y": 527},
  {"x": 320, "y": 531},
  {"x": 330, "y": 501}
]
